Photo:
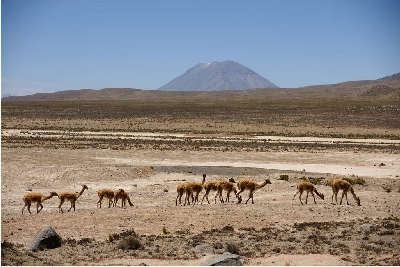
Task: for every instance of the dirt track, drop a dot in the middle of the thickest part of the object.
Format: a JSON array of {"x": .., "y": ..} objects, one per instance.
[{"x": 275, "y": 230}]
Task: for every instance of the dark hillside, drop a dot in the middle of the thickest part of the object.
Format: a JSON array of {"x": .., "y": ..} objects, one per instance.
[
  {"x": 352, "y": 89},
  {"x": 394, "y": 77}
]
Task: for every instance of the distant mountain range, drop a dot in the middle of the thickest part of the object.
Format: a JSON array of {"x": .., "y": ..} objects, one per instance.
[
  {"x": 394, "y": 77},
  {"x": 353, "y": 89},
  {"x": 387, "y": 87},
  {"x": 217, "y": 76},
  {"x": 6, "y": 95}
]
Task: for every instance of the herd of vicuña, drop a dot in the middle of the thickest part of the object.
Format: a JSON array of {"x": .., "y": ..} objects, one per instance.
[
  {"x": 191, "y": 190},
  {"x": 112, "y": 195}
]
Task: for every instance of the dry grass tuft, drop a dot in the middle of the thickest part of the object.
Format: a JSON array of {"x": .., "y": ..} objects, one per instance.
[
  {"x": 313, "y": 180},
  {"x": 130, "y": 243},
  {"x": 284, "y": 177},
  {"x": 354, "y": 181},
  {"x": 232, "y": 248}
]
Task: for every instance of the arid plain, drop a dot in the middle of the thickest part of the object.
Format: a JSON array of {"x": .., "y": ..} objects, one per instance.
[{"x": 148, "y": 145}]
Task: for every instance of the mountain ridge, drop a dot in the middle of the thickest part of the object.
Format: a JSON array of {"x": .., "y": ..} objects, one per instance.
[
  {"x": 394, "y": 77},
  {"x": 366, "y": 88}
]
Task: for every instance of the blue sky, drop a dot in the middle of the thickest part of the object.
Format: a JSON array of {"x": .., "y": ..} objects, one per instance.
[{"x": 50, "y": 46}]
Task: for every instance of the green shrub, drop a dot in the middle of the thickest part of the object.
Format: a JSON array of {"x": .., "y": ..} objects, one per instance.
[{"x": 284, "y": 177}]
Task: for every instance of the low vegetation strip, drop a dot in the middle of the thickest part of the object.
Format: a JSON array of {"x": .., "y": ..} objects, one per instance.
[
  {"x": 358, "y": 242},
  {"x": 285, "y": 117},
  {"x": 123, "y": 142}
]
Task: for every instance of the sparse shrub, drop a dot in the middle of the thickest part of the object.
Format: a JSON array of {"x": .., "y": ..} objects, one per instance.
[
  {"x": 232, "y": 248},
  {"x": 328, "y": 182},
  {"x": 228, "y": 228},
  {"x": 284, "y": 177},
  {"x": 124, "y": 234},
  {"x": 354, "y": 181},
  {"x": 130, "y": 243},
  {"x": 313, "y": 180},
  {"x": 276, "y": 249},
  {"x": 111, "y": 237},
  {"x": 6, "y": 244},
  {"x": 164, "y": 230},
  {"x": 218, "y": 245},
  {"x": 386, "y": 188},
  {"x": 84, "y": 241},
  {"x": 165, "y": 190}
]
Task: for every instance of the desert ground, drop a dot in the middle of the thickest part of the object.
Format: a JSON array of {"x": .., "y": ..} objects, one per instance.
[{"x": 61, "y": 146}]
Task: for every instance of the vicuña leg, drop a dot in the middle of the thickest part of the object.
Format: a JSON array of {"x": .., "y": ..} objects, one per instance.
[
  {"x": 344, "y": 194},
  {"x": 59, "y": 206},
  {"x": 28, "y": 205}
]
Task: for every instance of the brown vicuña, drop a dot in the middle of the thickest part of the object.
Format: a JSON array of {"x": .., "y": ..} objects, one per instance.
[
  {"x": 309, "y": 188},
  {"x": 71, "y": 197},
  {"x": 194, "y": 189},
  {"x": 187, "y": 188},
  {"x": 250, "y": 185},
  {"x": 123, "y": 195},
  {"x": 212, "y": 186},
  {"x": 228, "y": 186},
  {"x": 339, "y": 184},
  {"x": 33, "y": 197},
  {"x": 105, "y": 193},
  {"x": 180, "y": 189}
]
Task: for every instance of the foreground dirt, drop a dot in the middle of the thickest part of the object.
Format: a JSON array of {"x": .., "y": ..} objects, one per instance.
[{"x": 276, "y": 230}]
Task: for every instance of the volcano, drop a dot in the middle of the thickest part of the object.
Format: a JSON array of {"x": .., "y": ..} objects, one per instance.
[{"x": 217, "y": 76}]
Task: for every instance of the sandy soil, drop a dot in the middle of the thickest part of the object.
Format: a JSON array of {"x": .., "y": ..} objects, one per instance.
[{"x": 276, "y": 230}]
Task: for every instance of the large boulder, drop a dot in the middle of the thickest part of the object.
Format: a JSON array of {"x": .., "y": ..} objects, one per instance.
[
  {"x": 46, "y": 238},
  {"x": 225, "y": 259}
]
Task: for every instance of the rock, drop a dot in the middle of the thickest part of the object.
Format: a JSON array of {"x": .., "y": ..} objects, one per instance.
[
  {"x": 228, "y": 228},
  {"x": 344, "y": 230},
  {"x": 366, "y": 226},
  {"x": 203, "y": 250},
  {"x": 47, "y": 238},
  {"x": 225, "y": 259}
]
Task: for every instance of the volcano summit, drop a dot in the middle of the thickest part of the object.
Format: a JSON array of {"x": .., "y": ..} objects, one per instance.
[{"x": 215, "y": 76}]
